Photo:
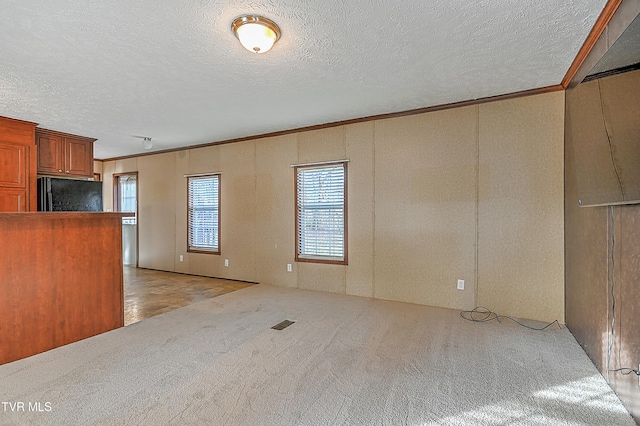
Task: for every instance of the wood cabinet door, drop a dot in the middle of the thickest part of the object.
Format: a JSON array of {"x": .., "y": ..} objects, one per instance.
[
  {"x": 50, "y": 154},
  {"x": 14, "y": 177},
  {"x": 13, "y": 165},
  {"x": 13, "y": 200},
  {"x": 78, "y": 157},
  {"x": 17, "y": 166}
]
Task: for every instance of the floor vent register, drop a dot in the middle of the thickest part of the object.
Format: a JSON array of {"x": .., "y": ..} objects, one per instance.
[{"x": 282, "y": 325}]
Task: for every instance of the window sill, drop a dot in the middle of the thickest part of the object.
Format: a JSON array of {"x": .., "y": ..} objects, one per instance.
[
  {"x": 320, "y": 259},
  {"x": 189, "y": 250}
]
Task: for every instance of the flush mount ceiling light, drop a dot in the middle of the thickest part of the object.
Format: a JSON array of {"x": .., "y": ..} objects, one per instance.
[
  {"x": 256, "y": 33},
  {"x": 146, "y": 143}
]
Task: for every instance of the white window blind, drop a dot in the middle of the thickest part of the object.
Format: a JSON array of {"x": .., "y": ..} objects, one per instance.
[
  {"x": 321, "y": 212},
  {"x": 204, "y": 213}
]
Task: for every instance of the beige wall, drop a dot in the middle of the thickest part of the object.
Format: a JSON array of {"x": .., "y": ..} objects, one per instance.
[
  {"x": 520, "y": 209},
  {"x": 157, "y": 211},
  {"x": 425, "y": 208},
  {"x": 472, "y": 193}
]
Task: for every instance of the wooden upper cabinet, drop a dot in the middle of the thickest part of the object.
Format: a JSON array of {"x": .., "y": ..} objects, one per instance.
[
  {"x": 26, "y": 151},
  {"x": 50, "y": 153},
  {"x": 79, "y": 157},
  {"x": 64, "y": 154},
  {"x": 17, "y": 166}
]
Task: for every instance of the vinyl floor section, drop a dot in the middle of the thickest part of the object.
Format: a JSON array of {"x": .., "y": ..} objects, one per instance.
[{"x": 149, "y": 292}]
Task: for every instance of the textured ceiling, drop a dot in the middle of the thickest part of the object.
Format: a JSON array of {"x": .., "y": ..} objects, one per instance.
[{"x": 173, "y": 70}]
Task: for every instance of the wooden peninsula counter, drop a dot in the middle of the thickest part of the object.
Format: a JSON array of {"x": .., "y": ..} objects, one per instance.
[{"x": 60, "y": 279}]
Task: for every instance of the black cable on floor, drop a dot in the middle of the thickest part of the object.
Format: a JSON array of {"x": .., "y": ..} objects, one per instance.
[
  {"x": 482, "y": 314},
  {"x": 626, "y": 371},
  {"x": 612, "y": 278}
]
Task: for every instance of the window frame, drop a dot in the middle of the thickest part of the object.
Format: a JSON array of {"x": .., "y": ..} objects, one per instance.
[
  {"x": 128, "y": 218},
  {"x": 320, "y": 258},
  {"x": 197, "y": 249}
]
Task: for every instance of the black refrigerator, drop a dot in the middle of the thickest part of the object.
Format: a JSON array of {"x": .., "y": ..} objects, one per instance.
[{"x": 69, "y": 195}]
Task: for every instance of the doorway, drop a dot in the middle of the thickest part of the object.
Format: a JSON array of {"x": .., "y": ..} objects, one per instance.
[{"x": 125, "y": 200}]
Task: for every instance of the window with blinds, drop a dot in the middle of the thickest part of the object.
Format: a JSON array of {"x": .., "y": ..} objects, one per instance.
[
  {"x": 203, "y": 215},
  {"x": 321, "y": 213}
]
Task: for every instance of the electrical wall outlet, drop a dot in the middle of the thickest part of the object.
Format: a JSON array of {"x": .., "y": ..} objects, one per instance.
[
  {"x": 289, "y": 268},
  {"x": 460, "y": 284},
  {"x": 226, "y": 262},
  {"x": 181, "y": 258}
]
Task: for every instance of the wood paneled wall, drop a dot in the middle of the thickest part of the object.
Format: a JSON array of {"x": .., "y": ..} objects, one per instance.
[
  {"x": 471, "y": 193},
  {"x": 602, "y": 257}
]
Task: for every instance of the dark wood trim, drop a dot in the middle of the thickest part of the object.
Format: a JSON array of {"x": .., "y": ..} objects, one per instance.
[
  {"x": 597, "y": 30},
  {"x": 115, "y": 193},
  {"x": 204, "y": 251},
  {"x": 186, "y": 207},
  {"x": 346, "y": 213},
  {"x": 20, "y": 122},
  {"x": 66, "y": 135},
  {"x": 520, "y": 94},
  {"x": 296, "y": 211},
  {"x": 297, "y": 258},
  {"x": 219, "y": 251}
]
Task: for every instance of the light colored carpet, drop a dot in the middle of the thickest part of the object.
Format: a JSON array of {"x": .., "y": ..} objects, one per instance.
[{"x": 346, "y": 361}]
